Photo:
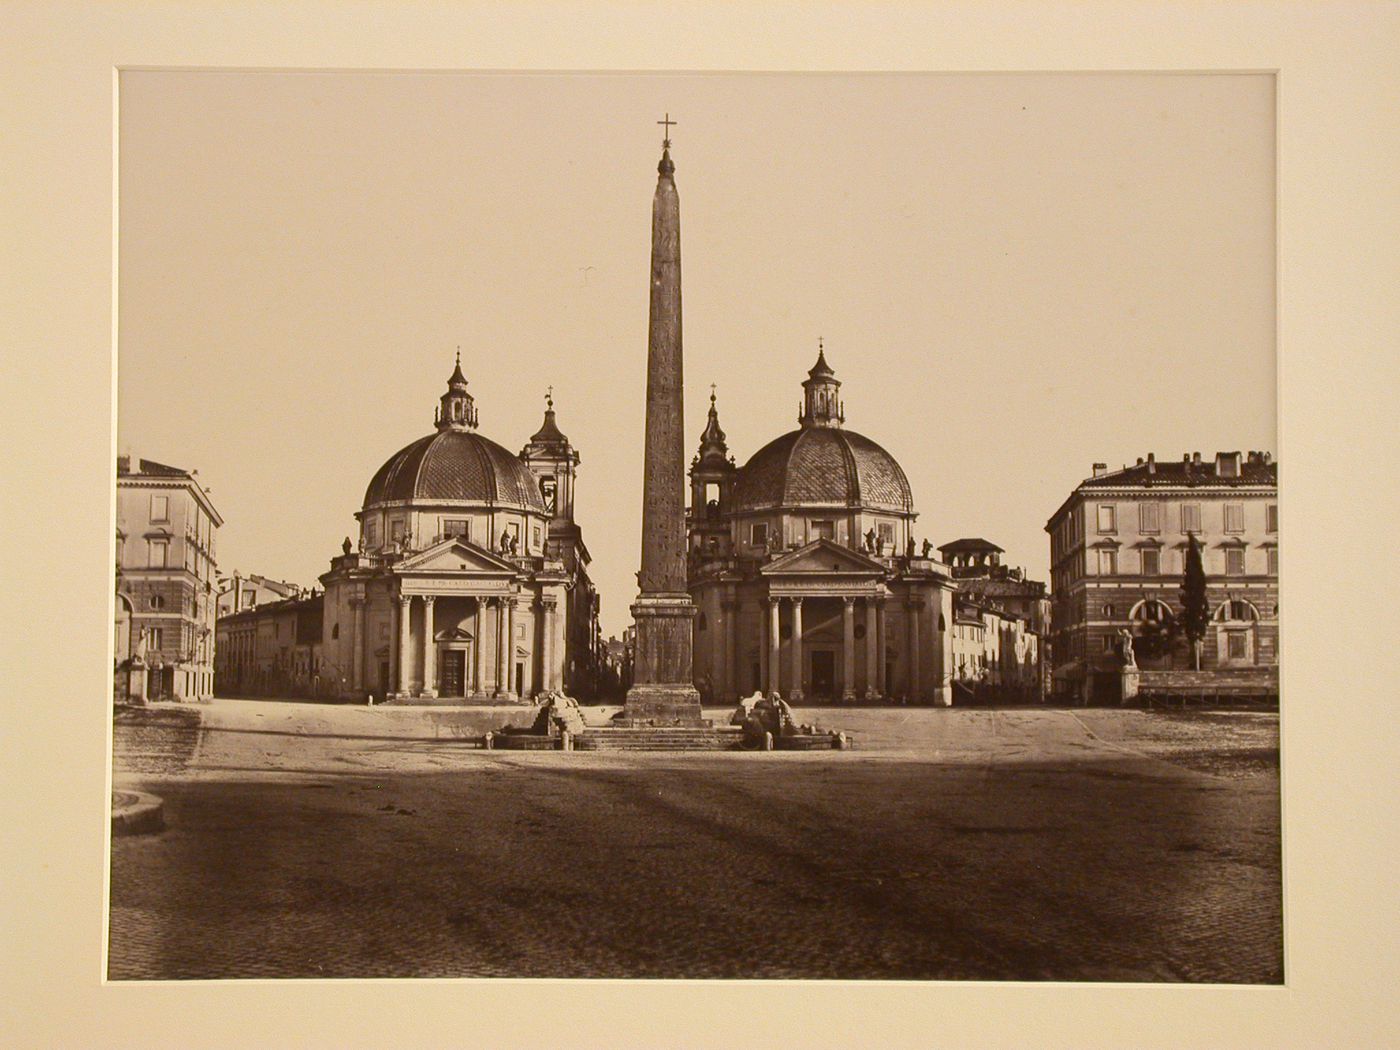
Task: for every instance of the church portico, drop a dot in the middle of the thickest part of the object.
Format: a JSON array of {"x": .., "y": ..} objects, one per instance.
[{"x": 473, "y": 646}]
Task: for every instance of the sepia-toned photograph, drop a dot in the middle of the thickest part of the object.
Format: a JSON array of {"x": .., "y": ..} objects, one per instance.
[{"x": 890, "y": 592}]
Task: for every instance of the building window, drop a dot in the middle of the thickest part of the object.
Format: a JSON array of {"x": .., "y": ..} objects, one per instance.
[
  {"x": 157, "y": 602},
  {"x": 155, "y": 637},
  {"x": 395, "y": 531},
  {"x": 158, "y": 551},
  {"x": 758, "y": 534},
  {"x": 1149, "y": 517},
  {"x": 455, "y": 527},
  {"x": 371, "y": 533},
  {"x": 335, "y": 630},
  {"x": 1108, "y": 517},
  {"x": 1237, "y": 645},
  {"x": 1108, "y": 643},
  {"x": 1108, "y": 563},
  {"x": 1273, "y": 561},
  {"x": 1151, "y": 563},
  {"x": 823, "y": 530},
  {"x": 885, "y": 533},
  {"x": 1271, "y": 517},
  {"x": 1234, "y": 517},
  {"x": 1190, "y": 517},
  {"x": 160, "y": 508},
  {"x": 1235, "y": 609},
  {"x": 1234, "y": 561},
  {"x": 536, "y": 534},
  {"x": 1108, "y": 611}
]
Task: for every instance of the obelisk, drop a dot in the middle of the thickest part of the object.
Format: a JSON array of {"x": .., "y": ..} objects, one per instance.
[{"x": 662, "y": 692}]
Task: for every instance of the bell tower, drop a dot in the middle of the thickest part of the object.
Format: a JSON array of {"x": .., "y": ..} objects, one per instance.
[
  {"x": 554, "y": 463},
  {"x": 712, "y": 474}
]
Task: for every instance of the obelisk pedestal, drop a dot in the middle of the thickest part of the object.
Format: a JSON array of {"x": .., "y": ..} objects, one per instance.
[{"x": 662, "y": 692}]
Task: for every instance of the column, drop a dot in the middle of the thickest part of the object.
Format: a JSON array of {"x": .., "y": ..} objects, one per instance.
[
  {"x": 915, "y": 660},
  {"x": 547, "y": 678},
  {"x": 796, "y": 651},
  {"x": 943, "y": 692},
  {"x": 429, "y": 648},
  {"x": 848, "y": 648},
  {"x": 728, "y": 685},
  {"x": 872, "y": 632},
  {"x": 774, "y": 676},
  {"x": 402, "y": 678},
  {"x": 477, "y": 623},
  {"x": 357, "y": 644},
  {"x": 510, "y": 648},
  {"x": 502, "y": 679},
  {"x": 881, "y": 646},
  {"x": 490, "y": 679}
]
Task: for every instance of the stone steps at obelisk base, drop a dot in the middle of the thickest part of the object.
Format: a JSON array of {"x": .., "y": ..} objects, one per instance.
[{"x": 659, "y": 738}]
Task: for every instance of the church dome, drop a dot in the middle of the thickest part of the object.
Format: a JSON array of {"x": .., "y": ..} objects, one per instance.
[
  {"x": 455, "y": 465},
  {"x": 823, "y": 466}
]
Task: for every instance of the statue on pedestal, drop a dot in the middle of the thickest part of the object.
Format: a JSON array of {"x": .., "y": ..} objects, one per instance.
[{"x": 1126, "y": 642}]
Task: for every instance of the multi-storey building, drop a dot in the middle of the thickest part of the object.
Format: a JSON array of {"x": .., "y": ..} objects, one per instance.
[
  {"x": 271, "y": 649},
  {"x": 996, "y": 654},
  {"x": 239, "y": 592},
  {"x": 1118, "y": 545},
  {"x": 165, "y": 582},
  {"x": 989, "y": 590}
]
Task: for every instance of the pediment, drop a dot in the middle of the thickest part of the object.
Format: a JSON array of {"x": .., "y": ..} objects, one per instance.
[
  {"x": 456, "y": 555},
  {"x": 824, "y": 557}
]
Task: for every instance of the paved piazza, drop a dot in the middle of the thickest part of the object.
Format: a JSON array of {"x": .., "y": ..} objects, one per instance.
[{"x": 1097, "y": 845}]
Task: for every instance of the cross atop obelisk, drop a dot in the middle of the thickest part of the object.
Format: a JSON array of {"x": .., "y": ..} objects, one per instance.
[
  {"x": 662, "y": 691},
  {"x": 666, "y": 135}
]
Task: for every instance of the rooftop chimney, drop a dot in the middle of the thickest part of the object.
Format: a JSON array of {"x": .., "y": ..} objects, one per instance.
[
  {"x": 1100, "y": 469},
  {"x": 1151, "y": 463},
  {"x": 1195, "y": 459}
]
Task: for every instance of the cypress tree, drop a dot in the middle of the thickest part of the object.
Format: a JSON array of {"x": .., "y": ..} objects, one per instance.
[{"x": 1195, "y": 608}]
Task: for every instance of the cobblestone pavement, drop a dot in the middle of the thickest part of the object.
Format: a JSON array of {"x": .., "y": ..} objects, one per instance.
[{"x": 1027, "y": 845}]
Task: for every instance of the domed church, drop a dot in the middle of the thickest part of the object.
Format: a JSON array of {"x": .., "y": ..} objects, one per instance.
[
  {"x": 469, "y": 580},
  {"x": 804, "y": 567}
]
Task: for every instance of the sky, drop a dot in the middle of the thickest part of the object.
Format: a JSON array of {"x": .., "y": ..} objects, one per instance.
[{"x": 1015, "y": 276}]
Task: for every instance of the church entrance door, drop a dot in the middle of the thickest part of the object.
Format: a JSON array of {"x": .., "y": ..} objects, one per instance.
[
  {"x": 452, "y": 676},
  {"x": 823, "y": 674}
]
